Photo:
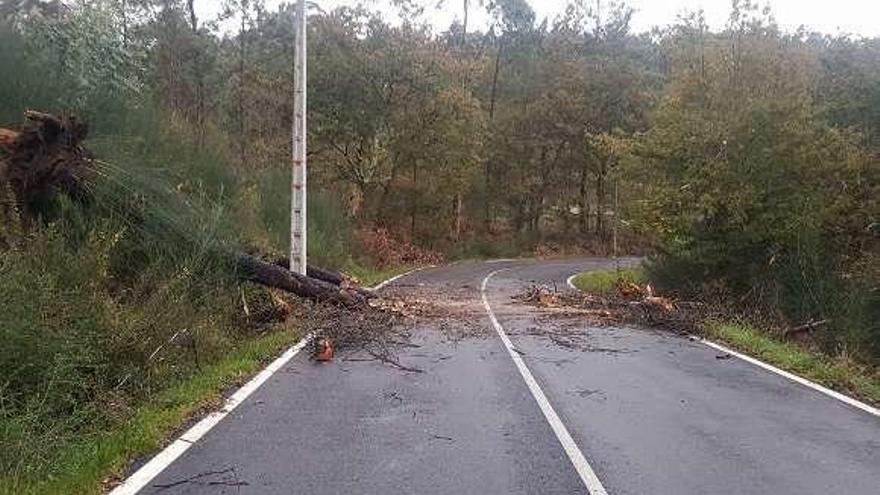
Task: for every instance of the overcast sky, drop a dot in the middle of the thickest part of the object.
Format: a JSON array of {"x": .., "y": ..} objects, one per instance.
[{"x": 860, "y": 17}]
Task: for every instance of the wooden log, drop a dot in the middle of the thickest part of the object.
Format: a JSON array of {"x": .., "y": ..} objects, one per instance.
[
  {"x": 324, "y": 274},
  {"x": 329, "y": 276},
  {"x": 272, "y": 275}
]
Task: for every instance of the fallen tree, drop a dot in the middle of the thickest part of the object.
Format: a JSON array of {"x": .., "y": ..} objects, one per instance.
[
  {"x": 44, "y": 158},
  {"x": 269, "y": 274},
  {"x": 330, "y": 276}
]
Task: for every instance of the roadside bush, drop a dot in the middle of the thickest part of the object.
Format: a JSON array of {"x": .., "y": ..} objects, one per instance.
[
  {"x": 79, "y": 348},
  {"x": 755, "y": 199},
  {"x": 94, "y": 295}
]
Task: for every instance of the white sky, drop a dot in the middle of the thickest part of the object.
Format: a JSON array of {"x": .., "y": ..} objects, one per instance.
[{"x": 859, "y": 17}]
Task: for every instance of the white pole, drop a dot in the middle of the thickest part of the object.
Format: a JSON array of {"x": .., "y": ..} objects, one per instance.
[
  {"x": 616, "y": 207},
  {"x": 298, "y": 182}
]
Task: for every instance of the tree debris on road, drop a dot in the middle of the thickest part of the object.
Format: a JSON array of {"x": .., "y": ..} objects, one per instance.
[{"x": 628, "y": 303}]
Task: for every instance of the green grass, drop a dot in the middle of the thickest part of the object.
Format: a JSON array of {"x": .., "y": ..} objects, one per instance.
[
  {"x": 839, "y": 373},
  {"x": 83, "y": 464},
  {"x": 603, "y": 281}
]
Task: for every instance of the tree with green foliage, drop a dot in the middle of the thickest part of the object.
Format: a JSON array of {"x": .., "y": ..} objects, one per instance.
[{"x": 746, "y": 185}]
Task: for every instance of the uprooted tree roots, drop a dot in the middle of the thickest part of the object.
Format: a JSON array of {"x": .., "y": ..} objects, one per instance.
[
  {"x": 44, "y": 158},
  {"x": 39, "y": 160}
]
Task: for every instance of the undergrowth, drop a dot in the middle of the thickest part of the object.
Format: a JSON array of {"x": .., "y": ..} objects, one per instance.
[
  {"x": 121, "y": 313},
  {"x": 603, "y": 281}
]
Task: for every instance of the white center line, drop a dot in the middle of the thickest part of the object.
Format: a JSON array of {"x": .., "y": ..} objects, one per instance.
[{"x": 586, "y": 473}]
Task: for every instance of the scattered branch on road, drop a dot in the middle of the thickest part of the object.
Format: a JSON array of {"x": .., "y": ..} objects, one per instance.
[
  {"x": 629, "y": 303},
  {"x": 434, "y": 436},
  {"x": 198, "y": 480},
  {"x": 388, "y": 359},
  {"x": 377, "y": 329}
]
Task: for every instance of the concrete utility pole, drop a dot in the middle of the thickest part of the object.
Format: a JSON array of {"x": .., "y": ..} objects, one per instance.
[
  {"x": 298, "y": 182},
  {"x": 616, "y": 219}
]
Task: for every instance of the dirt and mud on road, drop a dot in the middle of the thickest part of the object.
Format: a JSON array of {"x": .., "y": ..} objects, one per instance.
[{"x": 386, "y": 326}]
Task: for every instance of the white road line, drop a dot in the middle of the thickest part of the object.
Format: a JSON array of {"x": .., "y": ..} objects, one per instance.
[
  {"x": 586, "y": 473},
  {"x": 163, "y": 459},
  {"x": 773, "y": 369},
  {"x": 803, "y": 381},
  {"x": 394, "y": 278},
  {"x": 157, "y": 464},
  {"x": 570, "y": 281}
]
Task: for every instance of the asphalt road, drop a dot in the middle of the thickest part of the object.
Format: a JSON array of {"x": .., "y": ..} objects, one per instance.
[{"x": 652, "y": 413}]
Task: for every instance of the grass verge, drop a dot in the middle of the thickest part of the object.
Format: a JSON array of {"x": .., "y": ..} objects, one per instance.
[
  {"x": 838, "y": 373},
  {"x": 603, "y": 281},
  {"x": 84, "y": 465}
]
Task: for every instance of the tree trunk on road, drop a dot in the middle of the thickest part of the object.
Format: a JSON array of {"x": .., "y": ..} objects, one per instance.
[{"x": 271, "y": 275}]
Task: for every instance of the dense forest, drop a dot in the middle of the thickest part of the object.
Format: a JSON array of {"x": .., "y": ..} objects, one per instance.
[{"x": 743, "y": 160}]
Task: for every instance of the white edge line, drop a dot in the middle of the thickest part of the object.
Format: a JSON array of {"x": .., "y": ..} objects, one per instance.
[
  {"x": 394, "y": 278},
  {"x": 773, "y": 369},
  {"x": 795, "y": 378},
  {"x": 163, "y": 459},
  {"x": 140, "y": 478},
  {"x": 586, "y": 473}
]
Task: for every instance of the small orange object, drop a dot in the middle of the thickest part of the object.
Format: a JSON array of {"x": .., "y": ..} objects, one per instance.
[
  {"x": 7, "y": 136},
  {"x": 630, "y": 290},
  {"x": 325, "y": 350}
]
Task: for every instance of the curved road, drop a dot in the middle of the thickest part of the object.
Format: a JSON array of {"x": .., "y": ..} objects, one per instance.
[{"x": 645, "y": 412}]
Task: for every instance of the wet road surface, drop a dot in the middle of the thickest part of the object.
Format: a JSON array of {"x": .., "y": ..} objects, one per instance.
[{"x": 651, "y": 412}]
